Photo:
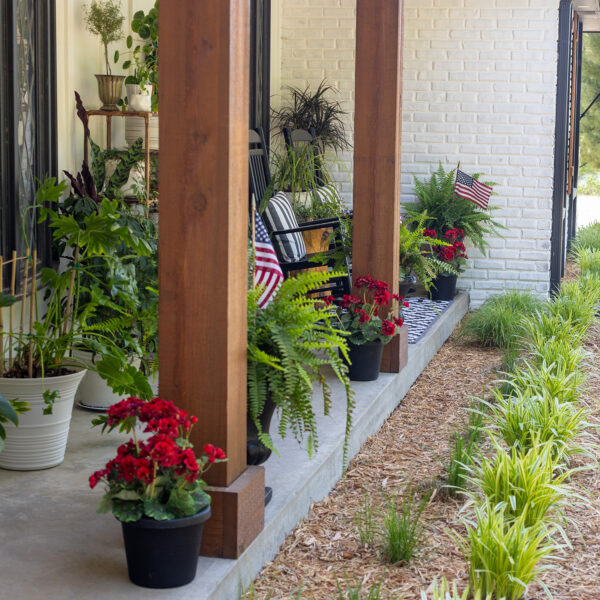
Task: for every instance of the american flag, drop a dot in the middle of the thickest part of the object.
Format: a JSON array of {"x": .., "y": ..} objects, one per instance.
[
  {"x": 267, "y": 272},
  {"x": 471, "y": 189}
]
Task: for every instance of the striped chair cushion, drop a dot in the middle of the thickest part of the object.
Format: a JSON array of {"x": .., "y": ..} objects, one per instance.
[{"x": 279, "y": 215}]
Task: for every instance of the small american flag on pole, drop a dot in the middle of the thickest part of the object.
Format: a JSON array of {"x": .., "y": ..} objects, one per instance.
[
  {"x": 267, "y": 272},
  {"x": 469, "y": 188}
]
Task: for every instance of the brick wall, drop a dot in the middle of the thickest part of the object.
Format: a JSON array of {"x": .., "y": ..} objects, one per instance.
[{"x": 479, "y": 87}]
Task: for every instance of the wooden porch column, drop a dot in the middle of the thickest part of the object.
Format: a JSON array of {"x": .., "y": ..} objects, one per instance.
[
  {"x": 203, "y": 267},
  {"x": 377, "y": 129}
]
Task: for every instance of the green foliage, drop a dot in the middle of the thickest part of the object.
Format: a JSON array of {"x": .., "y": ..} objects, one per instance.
[
  {"x": 144, "y": 55},
  {"x": 104, "y": 19},
  {"x": 588, "y": 185},
  {"x": 402, "y": 530},
  {"x": 9, "y": 413},
  {"x": 443, "y": 591},
  {"x": 577, "y": 302},
  {"x": 365, "y": 521},
  {"x": 445, "y": 210},
  {"x": 527, "y": 484},
  {"x": 589, "y": 262},
  {"x": 525, "y": 420},
  {"x": 498, "y": 321},
  {"x": 356, "y": 592},
  {"x": 461, "y": 457},
  {"x": 416, "y": 252},
  {"x": 313, "y": 109},
  {"x": 587, "y": 237},
  {"x": 503, "y": 553},
  {"x": 289, "y": 341},
  {"x": 590, "y": 124}
]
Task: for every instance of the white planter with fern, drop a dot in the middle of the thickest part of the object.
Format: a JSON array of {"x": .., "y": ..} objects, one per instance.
[{"x": 40, "y": 441}]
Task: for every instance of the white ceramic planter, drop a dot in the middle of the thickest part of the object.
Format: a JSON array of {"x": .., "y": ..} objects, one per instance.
[
  {"x": 140, "y": 102},
  {"x": 40, "y": 440},
  {"x": 135, "y": 128},
  {"x": 93, "y": 392}
]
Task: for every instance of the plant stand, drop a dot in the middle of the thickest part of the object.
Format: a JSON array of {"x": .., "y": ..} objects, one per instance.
[{"x": 108, "y": 115}]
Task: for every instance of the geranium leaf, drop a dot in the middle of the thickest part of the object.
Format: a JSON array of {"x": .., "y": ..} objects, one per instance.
[
  {"x": 158, "y": 511},
  {"x": 127, "y": 511}
]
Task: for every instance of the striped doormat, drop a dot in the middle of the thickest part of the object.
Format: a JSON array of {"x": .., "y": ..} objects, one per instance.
[{"x": 421, "y": 314}]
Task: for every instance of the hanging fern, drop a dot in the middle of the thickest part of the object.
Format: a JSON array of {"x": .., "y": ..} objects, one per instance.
[
  {"x": 446, "y": 210},
  {"x": 289, "y": 342}
]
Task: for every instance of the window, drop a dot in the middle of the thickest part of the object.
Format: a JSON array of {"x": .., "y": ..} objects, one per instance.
[{"x": 27, "y": 117}]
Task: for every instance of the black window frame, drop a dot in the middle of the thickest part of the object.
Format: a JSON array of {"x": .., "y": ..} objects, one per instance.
[{"x": 43, "y": 31}]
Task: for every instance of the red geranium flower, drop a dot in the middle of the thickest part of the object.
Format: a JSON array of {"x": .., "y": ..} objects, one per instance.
[
  {"x": 429, "y": 233},
  {"x": 388, "y": 328}
]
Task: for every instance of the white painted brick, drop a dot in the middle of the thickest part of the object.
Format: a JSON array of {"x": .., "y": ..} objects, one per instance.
[{"x": 478, "y": 85}]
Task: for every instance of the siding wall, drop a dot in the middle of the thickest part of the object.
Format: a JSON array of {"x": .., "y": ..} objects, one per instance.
[{"x": 479, "y": 87}]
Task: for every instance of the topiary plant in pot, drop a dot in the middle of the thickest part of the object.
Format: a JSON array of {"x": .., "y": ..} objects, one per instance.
[
  {"x": 290, "y": 341},
  {"x": 104, "y": 19}
]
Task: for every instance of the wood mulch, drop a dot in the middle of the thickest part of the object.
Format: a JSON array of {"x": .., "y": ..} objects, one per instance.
[{"x": 410, "y": 452}]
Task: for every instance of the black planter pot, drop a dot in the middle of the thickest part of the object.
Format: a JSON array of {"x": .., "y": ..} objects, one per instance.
[
  {"x": 365, "y": 361},
  {"x": 164, "y": 554},
  {"x": 256, "y": 452},
  {"x": 444, "y": 287},
  {"x": 407, "y": 285}
]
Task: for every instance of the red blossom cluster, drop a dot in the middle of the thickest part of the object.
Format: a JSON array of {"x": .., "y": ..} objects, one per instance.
[
  {"x": 166, "y": 452},
  {"x": 376, "y": 297},
  {"x": 430, "y": 233},
  {"x": 449, "y": 253},
  {"x": 454, "y": 234}
]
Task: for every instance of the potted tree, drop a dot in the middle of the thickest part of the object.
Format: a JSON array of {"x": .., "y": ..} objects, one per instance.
[
  {"x": 154, "y": 487},
  {"x": 104, "y": 19},
  {"x": 41, "y": 371},
  {"x": 289, "y": 342}
]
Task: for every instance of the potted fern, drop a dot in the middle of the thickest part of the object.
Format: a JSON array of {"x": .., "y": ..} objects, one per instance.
[
  {"x": 418, "y": 258},
  {"x": 289, "y": 342},
  {"x": 454, "y": 219}
]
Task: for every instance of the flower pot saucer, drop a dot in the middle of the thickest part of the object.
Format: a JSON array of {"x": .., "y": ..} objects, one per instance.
[{"x": 90, "y": 407}]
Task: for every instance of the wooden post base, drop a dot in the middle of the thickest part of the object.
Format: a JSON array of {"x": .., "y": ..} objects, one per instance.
[
  {"x": 395, "y": 354},
  {"x": 238, "y": 515}
]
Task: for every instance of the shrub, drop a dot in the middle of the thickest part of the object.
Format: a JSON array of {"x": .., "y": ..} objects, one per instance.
[
  {"x": 525, "y": 420},
  {"x": 577, "y": 303},
  {"x": 402, "y": 530},
  {"x": 587, "y": 237},
  {"x": 503, "y": 553},
  {"x": 588, "y": 260},
  {"x": 498, "y": 321},
  {"x": 528, "y": 484},
  {"x": 543, "y": 327}
]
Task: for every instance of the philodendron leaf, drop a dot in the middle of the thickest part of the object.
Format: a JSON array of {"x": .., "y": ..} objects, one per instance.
[
  {"x": 126, "y": 510},
  {"x": 158, "y": 511}
]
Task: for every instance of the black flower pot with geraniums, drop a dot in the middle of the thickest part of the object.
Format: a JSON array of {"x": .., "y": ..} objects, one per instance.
[
  {"x": 365, "y": 360},
  {"x": 164, "y": 554},
  {"x": 443, "y": 287}
]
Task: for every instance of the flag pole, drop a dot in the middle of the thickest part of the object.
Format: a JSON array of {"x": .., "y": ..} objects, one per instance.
[
  {"x": 253, "y": 226},
  {"x": 455, "y": 180}
]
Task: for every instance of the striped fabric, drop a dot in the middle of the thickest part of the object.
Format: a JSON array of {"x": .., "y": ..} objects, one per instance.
[{"x": 280, "y": 216}]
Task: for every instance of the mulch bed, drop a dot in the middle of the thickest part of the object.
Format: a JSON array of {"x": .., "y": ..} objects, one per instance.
[{"x": 410, "y": 451}]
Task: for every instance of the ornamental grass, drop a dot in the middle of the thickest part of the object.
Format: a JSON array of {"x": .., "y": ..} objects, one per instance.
[{"x": 503, "y": 553}]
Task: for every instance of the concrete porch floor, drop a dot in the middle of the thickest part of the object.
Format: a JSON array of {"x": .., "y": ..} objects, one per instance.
[{"x": 53, "y": 544}]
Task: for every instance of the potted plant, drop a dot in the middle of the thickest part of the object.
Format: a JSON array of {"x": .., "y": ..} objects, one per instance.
[
  {"x": 125, "y": 279},
  {"x": 370, "y": 322},
  {"x": 308, "y": 109},
  {"x": 41, "y": 371},
  {"x": 143, "y": 82},
  {"x": 104, "y": 19},
  {"x": 417, "y": 256},
  {"x": 154, "y": 487},
  {"x": 289, "y": 342},
  {"x": 451, "y": 260}
]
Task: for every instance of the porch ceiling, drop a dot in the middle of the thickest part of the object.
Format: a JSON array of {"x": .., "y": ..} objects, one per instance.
[{"x": 589, "y": 11}]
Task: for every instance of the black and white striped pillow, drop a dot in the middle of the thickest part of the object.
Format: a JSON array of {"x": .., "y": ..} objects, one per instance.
[{"x": 279, "y": 215}]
